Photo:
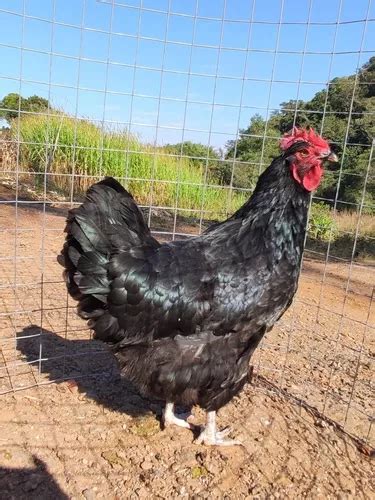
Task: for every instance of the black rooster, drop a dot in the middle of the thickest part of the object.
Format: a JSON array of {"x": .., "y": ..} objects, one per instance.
[{"x": 184, "y": 317}]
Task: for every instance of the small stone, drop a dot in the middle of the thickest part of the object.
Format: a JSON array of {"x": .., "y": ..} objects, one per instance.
[
  {"x": 188, "y": 458},
  {"x": 7, "y": 455},
  {"x": 142, "y": 493},
  {"x": 89, "y": 494},
  {"x": 321, "y": 423},
  {"x": 146, "y": 465},
  {"x": 72, "y": 386},
  {"x": 213, "y": 468}
]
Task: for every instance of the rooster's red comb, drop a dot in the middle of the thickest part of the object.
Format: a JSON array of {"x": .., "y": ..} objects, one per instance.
[{"x": 301, "y": 134}]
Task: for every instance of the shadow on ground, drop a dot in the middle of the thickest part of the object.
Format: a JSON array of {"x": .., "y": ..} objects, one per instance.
[
  {"x": 88, "y": 365},
  {"x": 28, "y": 483}
]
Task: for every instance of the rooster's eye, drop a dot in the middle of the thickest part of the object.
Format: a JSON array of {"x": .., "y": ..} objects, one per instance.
[{"x": 304, "y": 152}]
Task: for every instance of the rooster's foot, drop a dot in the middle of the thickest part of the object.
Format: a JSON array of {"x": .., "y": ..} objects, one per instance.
[
  {"x": 169, "y": 418},
  {"x": 211, "y": 437}
]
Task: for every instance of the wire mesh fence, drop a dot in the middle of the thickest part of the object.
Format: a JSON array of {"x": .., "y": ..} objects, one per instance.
[{"x": 185, "y": 102}]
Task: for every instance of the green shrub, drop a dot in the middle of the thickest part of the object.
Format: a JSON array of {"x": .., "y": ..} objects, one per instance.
[{"x": 321, "y": 225}]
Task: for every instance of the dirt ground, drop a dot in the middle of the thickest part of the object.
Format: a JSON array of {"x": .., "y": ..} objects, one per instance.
[{"x": 84, "y": 432}]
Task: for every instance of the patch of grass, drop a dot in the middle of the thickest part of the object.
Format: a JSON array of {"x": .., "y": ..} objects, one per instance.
[
  {"x": 342, "y": 247},
  {"x": 113, "y": 458},
  {"x": 145, "y": 426},
  {"x": 198, "y": 472},
  {"x": 347, "y": 222},
  {"x": 78, "y": 149},
  {"x": 339, "y": 232}
]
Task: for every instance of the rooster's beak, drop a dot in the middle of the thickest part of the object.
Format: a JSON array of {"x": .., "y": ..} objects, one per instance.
[{"x": 332, "y": 157}]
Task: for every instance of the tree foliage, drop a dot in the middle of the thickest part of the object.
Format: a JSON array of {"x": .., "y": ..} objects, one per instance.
[
  {"x": 344, "y": 113},
  {"x": 200, "y": 155},
  {"x": 12, "y": 103}
]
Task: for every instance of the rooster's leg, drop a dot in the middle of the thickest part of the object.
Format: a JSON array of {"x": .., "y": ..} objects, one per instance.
[
  {"x": 169, "y": 417},
  {"x": 210, "y": 436}
]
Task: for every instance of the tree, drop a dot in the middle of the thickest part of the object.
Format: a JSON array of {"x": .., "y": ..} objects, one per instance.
[
  {"x": 12, "y": 103},
  {"x": 200, "y": 155},
  {"x": 344, "y": 113},
  {"x": 37, "y": 104},
  {"x": 252, "y": 151},
  {"x": 366, "y": 78}
]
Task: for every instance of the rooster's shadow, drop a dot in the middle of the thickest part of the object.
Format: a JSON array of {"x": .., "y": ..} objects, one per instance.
[
  {"x": 25, "y": 483},
  {"x": 89, "y": 363}
]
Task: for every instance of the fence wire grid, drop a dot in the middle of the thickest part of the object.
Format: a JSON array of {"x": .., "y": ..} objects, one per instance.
[{"x": 122, "y": 81}]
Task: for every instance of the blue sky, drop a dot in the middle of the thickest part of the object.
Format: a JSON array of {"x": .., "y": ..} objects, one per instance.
[{"x": 172, "y": 74}]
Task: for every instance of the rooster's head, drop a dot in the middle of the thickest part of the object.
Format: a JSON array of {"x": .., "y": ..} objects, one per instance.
[{"x": 306, "y": 151}]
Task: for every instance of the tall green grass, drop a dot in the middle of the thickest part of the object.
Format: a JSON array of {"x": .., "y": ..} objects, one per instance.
[{"x": 80, "y": 148}]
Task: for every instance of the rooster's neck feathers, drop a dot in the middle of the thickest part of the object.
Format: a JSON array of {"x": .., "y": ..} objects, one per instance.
[
  {"x": 276, "y": 213},
  {"x": 275, "y": 189}
]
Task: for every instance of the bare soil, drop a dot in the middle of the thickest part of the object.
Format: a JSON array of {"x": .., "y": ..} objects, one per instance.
[{"x": 70, "y": 427}]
